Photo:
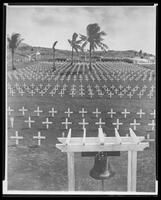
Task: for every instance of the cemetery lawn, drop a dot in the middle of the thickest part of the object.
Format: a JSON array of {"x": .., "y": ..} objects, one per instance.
[{"x": 33, "y": 167}]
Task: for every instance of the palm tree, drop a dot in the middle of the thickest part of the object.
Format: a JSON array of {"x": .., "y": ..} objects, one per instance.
[
  {"x": 94, "y": 38},
  {"x": 54, "y": 54},
  {"x": 75, "y": 44},
  {"x": 13, "y": 43}
]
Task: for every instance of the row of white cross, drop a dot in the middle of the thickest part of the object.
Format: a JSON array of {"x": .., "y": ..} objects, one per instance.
[
  {"x": 125, "y": 112},
  {"x": 80, "y": 90},
  {"x": 102, "y": 71},
  {"x": 84, "y": 123},
  {"x": 39, "y": 137}
]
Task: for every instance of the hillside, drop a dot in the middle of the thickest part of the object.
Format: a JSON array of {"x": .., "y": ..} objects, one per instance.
[{"x": 25, "y": 49}]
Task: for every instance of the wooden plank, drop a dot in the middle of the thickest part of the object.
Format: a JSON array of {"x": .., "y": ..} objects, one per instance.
[
  {"x": 109, "y": 147},
  {"x": 129, "y": 178},
  {"x": 132, "y": 171},
  {"x": 134, "y": 137},
  {"x": 96, "y": 140},
  {"x": 71, "y": 171},
  {"x": 84, "y": 136},
  {"x": 119, "y": 141},
  {"x": 101, "y": 136},
  {"x": 68, "y": 137}
]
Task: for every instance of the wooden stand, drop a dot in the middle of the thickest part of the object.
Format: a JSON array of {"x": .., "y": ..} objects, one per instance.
[{"x": 131, "y": 143}]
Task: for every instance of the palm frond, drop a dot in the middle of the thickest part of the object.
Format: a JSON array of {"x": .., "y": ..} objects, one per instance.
[
  {"x": 19, "y": 41},
  {"x": 83, "y": 37},
  {"x": 84, "y": 44},
  {"x": 74, "y": 37},
  {"x": 70, "y": 42},
  {"x": 55, "y": 44}
]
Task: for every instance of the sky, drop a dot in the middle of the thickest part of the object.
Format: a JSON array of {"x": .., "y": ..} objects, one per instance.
[{"x": 127, "y": 28}]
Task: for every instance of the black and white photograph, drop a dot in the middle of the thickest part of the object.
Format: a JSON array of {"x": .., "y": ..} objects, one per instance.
[{"x": 80, "y": 99}]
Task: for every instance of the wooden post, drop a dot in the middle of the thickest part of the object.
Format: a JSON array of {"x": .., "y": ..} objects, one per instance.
[
  {"x": 71, "y": 171},
  {"x": 132, "y": 168}
]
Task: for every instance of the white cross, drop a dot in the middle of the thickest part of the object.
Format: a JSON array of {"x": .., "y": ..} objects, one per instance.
[
  {"x": 150, "y": 95},
  {"x": 120, "y": 87},
  {"x": 82, "y": 112},
  {"x": 17, "y": 137},
  {"x": 140, "y": 113},
  {"x": 41, "y": 92},
  {"x": 134, "y": 124},
  {"x": 23, "y": 110},
  {"x": 152, "y": 124},
  {"x": 116, "y": 90},
  {"x": 81, "y": 93},
  {"x": 32, "y": 92},
  {"x": 117, "y": 124},
  {"x": 52, "y": 92},
  {"x": 130, "y": 95},
  {"x": 128, "y": 87},
  {"x": 124, "y": 90},
  {"x": 140, "y": 94},
  {"x": 96, "y": 112},
  {"x": 66, "y": 123},
  {"x": 21, "y": 92},
  {"x": 111, "y": 113},
  {"x": 52, "y": 111},
  {"x": 41, "y": 85},
  {"x": 29, "y": 121},
  {"x": 12, "y": 92},
  {"x": 61, "y": 93},
  {"x": 68, "y": 112},
  {"x": 120, "y": 94},
  {"x": 125, "y": 112},
  {"x": 112, "y": 87},
  {"x": 91, "y": 94},
  {"x": 152, "y": 88},
  {"x": 39, "y": 137},
  {"x": 10, "y": 110},
  {"x": 11, "y": 120},
  {"x": 83, "y": 123},
  {"x": 100, "y": 123},
  {"x": 47, "y": 122},
  {"x": 38, "y": 111},
  {"x": 32, "y": 85},
  {"x": 110, "y": 94},
  {"x": 153, "y": 113},
  {"x": 72, "y": 93}
]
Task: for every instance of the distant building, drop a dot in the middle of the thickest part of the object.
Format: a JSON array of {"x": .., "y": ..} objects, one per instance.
[{"x": 138, "y": 60}]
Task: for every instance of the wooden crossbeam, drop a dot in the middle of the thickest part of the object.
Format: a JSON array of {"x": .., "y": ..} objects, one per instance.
[
  {"x": 96, "y": 140},
  {"x": 106, "y": 147}
]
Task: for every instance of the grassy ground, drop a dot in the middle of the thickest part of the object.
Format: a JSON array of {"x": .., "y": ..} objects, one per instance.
[{"x": 33, "y": 167}]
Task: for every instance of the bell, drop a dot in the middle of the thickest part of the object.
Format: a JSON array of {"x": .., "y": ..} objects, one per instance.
[{"x": 102, "y": 168}]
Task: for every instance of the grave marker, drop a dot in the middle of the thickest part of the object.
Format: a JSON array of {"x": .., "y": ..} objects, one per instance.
[
  {"x": 83, "y": 112},
  {"x": 134, "y": 124},
  {"x": 53, "y": 111},
  {"x": 17, "y": 137},
  {"x": 38, "y": 111},
  {"x": 68, "y": 112},
  {"x": 83, "y": 123},
  {"x": 66, "y": 123},
  {"x": 39, "y": 138},
  {"x": 29, "y": 121},
  {"x": 117, "y": 123}
]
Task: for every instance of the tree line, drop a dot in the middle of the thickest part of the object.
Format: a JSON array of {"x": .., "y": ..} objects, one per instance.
[{"x": 78, "y": 42}]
